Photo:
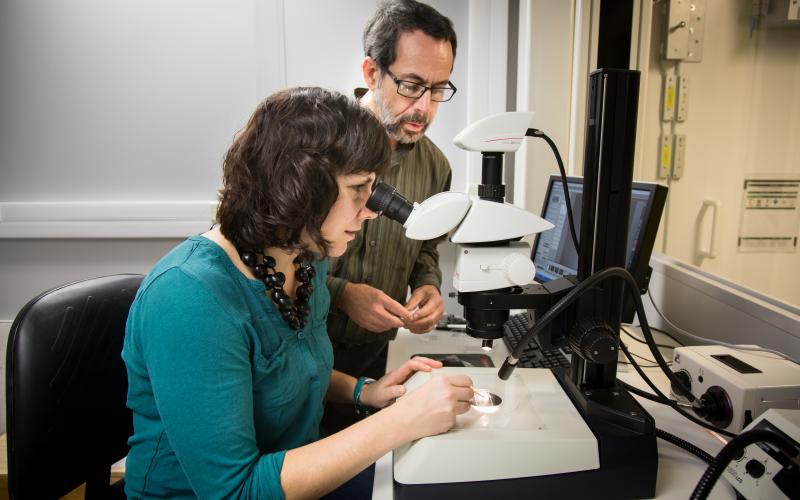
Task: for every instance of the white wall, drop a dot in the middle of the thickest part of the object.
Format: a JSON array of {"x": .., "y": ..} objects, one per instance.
[
  {"x": 744, "y": 118},
  {"x": 113, "y": 106},
  {"x": 543, "y": 86},
  {"x": 122, "y": 101}
]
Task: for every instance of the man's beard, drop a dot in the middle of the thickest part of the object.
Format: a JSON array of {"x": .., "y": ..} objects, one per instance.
[{"x": 394, "y": 126}]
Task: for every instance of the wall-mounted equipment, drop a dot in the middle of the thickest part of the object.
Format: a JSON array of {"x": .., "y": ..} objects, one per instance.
[{"x": 685, "y": 30}]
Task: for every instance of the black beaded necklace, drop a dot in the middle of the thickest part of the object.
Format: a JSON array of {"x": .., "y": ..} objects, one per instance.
[{"x": 263, "y": 268}]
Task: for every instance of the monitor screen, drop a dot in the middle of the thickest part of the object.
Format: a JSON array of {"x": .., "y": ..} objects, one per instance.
[{"x": 554, "y": 254}]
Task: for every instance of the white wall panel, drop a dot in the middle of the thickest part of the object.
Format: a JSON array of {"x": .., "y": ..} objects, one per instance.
[
  {"x": 743, "y": 118},
  {"x": 117, "y": 114},
  {"x": 117, "y": 100}
]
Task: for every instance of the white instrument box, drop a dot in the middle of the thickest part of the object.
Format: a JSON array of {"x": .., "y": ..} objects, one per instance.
[{"x": 749, "y": 382}]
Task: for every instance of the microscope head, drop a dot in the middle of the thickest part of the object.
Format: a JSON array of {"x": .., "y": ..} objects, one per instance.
[
  {"x": 500, "y": 133},
  {"x": 490, "y": 260}
]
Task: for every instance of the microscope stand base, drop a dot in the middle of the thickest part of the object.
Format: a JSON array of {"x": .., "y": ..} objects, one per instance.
[{"x": 628, "y": 469}]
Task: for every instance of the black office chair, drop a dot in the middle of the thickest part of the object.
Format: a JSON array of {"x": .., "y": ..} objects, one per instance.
[{"x": 66, "y": 388}]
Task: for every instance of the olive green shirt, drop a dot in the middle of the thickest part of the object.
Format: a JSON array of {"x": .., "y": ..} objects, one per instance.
[{"x": 381, "y": 255}]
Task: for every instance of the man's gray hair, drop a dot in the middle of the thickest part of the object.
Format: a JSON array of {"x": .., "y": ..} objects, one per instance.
[{"x": 395, "y": 17}]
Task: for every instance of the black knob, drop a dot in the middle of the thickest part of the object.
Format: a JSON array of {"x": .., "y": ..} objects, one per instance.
[
  {"x": 755, "y": 468},
  {"x": 491, "y": 191},
  {"x": 595, "y": 341},
  {"x": 715, "y": 406},
  {"x": 686, "y": 382}
]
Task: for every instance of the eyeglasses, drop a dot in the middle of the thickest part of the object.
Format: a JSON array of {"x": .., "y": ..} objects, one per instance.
[{"x": 415, "y": 90}]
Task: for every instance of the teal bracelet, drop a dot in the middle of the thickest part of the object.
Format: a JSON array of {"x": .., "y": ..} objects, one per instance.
[{"x": 360, "y": 408}]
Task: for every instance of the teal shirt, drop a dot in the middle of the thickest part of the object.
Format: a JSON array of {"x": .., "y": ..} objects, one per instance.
[{"x": 219, "y": 385}]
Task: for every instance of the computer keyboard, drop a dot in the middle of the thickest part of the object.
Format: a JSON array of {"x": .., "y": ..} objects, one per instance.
[{"x": 532, "y": 357}]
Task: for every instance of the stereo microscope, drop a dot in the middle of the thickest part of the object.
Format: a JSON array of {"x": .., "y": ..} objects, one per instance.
[{"x": 576, "y": 432}]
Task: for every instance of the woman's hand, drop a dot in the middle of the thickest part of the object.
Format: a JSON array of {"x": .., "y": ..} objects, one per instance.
[
  {"x": 390, "y": 387},
  {"x": 432, "y": 408}
]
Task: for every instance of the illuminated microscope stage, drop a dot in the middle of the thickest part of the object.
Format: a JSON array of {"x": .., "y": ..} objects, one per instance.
[{"x": 534, "y": 431}]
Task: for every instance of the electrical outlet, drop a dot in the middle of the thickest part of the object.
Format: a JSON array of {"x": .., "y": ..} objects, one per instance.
[
  {"x": 683, "y": 99},
  {"x": 665, "y": 158},
  {"x": 679, "y": 156},
  {"x": 670, "y": 95}
]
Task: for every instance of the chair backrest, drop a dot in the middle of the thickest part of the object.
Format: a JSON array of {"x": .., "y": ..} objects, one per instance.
[{"x": 66, "y": 388}]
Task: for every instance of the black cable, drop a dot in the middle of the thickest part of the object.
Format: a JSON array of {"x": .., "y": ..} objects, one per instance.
[
  {"x": 570, "y": 297},
  {"x": 663, "y": 399},
  {"x": 685, "y": 445},
  {"x": 661, "y": 315},
  {"x": 666, "y": 436},
  {"x": 644, "y": 394},
  {"x": 659, "y": 330},
  {"x": 643, "y": 366},
  {"x": 730, "y": 450},
  {"x": 654, "y": 364},
  {"x": 637, "y": 339},
  {"x": 661, "y": 396},
  {"x": 532, "y": 132},
  {"x": 508, "y": 365},
  {"x": 669, "y": 363}
]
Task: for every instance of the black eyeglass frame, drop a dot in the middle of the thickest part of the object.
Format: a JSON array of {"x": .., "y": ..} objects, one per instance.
[{"x": 425, "y": 88}]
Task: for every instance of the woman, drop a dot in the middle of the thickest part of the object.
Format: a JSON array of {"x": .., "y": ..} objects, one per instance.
[{"x": 227, "y": 353}]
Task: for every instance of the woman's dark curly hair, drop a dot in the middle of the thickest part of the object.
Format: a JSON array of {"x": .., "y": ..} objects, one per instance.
[{"x": 279, "y": 176}]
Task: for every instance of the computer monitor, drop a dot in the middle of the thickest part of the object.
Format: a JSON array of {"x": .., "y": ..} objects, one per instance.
[{"x": 554, "y": 254}]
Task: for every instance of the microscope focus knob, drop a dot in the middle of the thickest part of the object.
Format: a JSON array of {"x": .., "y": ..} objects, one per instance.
[
  {"x": 594, "y": 341},
  {"x": 520, "y": 269}
]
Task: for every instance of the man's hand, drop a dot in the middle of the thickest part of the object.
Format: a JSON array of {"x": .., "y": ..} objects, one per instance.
[
  {"x": 425, "y": 308},
  {"x": 372, "y": 309}
]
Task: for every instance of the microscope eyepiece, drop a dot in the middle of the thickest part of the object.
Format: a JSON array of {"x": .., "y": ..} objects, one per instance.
[{"x": 386, "y": 201}]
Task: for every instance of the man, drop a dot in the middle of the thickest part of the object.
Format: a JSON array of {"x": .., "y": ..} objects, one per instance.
[{"x": 409, "y": 51}]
